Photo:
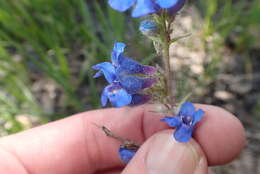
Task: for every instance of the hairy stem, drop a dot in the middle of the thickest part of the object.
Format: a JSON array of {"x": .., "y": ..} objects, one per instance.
[
  {"x": 166, "y": 59},
  {"x": 167, "y": 67}
]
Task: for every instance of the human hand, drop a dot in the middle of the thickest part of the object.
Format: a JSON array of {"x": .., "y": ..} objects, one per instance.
[{"x": 75, "y": 145}]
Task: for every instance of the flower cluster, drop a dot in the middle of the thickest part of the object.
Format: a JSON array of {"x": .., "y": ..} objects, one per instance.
[
  {"x": 124, "y": 88},
  {"x": 145, "y": 7},
  {"x": 123, "y": 74},
  {"x": 185, "y": 121}
]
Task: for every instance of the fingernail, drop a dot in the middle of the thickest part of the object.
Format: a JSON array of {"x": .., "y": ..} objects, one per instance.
[{"x": 168, "y": 156}]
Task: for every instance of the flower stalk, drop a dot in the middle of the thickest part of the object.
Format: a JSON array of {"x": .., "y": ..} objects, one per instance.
[
  {"x": 166, "y": 42},
  {"x": 127, "y": 149}
]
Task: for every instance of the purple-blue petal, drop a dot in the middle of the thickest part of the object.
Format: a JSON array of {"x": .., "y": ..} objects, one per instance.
[
  {"x": 172, "y": 121},
  {"x": 134, "y": 84},
  {"x": 139, "y": 99},
  {"x": 121, "y": 5},
  {"x": 177, "y": 7},
  {"x": 116, "y": 95},
  {"x": 104, "y": 96},
  {"x": 197, "y": 116},
  {"x": 119, "y": 97},
  {"x": 107, "y": 69},
  {"x": 118, "y": 49},
  {"x": 129, "y": 66},
  {"x": 148, "y": 82},
  {"x": 131, "y": 84},
  {"x": 187, "y": 109},
  {"x": 126, "y": 154},
  {"x": 183, "y": 133},
  {"x": 166, "y": 3},
  {"x": 98, "y": 74},
  {"x": 144, "y": 7}
]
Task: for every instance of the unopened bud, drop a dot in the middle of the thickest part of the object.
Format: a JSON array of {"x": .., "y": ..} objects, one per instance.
[{"x": 148, "y": 28}]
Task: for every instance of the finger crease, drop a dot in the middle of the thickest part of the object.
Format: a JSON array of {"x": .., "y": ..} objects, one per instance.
[
  {"x": 142, "y": 125},
  {"x": 15, "y": 156}
]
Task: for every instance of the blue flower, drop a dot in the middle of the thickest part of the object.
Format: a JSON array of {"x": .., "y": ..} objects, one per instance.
[
  {"x": 126, "y": 154},
  {"x": 185, "y": 121},
  {"x": 123, "y": 87},
  {"x": 145, "y": 7},
  {"x": 116, "y": 94}
]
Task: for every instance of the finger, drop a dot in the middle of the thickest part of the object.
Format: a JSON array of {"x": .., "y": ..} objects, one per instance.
[
  {"x": 162, "y": 154},
  {"x": 220, "y": 134},
  {"x": 78, "y": 146},
  {"x": 110, "y": 171},
  {"x": 75, "y": 144}
]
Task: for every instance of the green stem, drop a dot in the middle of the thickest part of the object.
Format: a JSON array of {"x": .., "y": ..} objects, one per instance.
[{"x": 166, "y": 59}]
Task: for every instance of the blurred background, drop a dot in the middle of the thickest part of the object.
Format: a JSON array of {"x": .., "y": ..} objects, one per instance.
[{"x": 47, "y": 48}]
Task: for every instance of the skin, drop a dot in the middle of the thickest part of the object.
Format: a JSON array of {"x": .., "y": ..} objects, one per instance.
[{"x": 76, "y": 145}]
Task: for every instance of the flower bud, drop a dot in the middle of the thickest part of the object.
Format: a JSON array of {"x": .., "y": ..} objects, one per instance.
[{"x": 148, "y": 28}]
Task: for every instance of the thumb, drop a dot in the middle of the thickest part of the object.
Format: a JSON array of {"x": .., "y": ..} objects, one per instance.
[{"x": 161, "y": 154}]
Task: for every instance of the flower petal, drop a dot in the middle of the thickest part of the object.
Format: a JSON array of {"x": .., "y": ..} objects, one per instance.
[
  {"x": 118, "y": 49},
  {"x": 139, "y": 99},
  {"x": 107, "y": 69},
  {"x": 197, "y": 116},
  {"x": 148, "y": 82},
  {"x": 131, "y": 84},
  {"x": 187, "y": 109},
  {"x": 166, "y": 3},
  {"x": 183, "y": 133},
  {"x": 134, "y": 84},
  {"x": 126, "y": 154},
  {"x": 98, "y": 74},
  {"x": 172, "y": 121},
  {"x": 119, "y": 97},
  {"x": 120, "y": 5},
  {"x": 129, "y": 66},
  {"x": 104, "y": 96},
  {"x": 144, "y": 7},
  {"x": 177, "y": 7}
]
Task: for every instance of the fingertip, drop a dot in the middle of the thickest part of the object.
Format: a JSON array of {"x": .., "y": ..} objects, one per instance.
[
  {"x": 161, "y": 153},
  {"x": 220, "y": 134}
]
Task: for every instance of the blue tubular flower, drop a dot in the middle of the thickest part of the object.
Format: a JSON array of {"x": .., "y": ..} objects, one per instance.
[
  {"x": 145, "y": 7},
  {"x": 185, "y": 121},
  {"x": 123, "y": 87},
  {"x": 126, "y": 154}
]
